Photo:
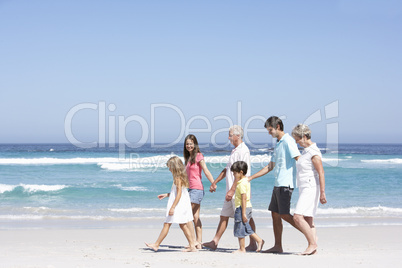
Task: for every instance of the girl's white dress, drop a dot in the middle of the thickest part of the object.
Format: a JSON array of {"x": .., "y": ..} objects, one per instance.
[{"x": 182, "y": 212}]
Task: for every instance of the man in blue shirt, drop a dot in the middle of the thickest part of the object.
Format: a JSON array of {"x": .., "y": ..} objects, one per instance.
[{"x": 283, "y": 163}]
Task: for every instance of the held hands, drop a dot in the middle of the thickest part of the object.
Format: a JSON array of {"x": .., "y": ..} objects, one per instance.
[
  {"x": 161, "y": 196},
  {"x": 229, "y": 195},
  {"x": 213, "y": 187}
]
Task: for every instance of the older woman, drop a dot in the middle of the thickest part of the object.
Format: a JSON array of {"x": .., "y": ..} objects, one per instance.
[{"x": 311, "y": 182}]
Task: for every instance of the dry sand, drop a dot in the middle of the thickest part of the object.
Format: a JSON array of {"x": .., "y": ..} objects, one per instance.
[{"x": 376, "y": 246}]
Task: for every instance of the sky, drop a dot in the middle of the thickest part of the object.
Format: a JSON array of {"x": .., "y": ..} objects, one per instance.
[{"x": 105, "y": 72}]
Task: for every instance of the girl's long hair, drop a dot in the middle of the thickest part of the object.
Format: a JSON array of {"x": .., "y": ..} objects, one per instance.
[
  {"x": 191, "y": 156},
  {"x": 178, "y": 170}
]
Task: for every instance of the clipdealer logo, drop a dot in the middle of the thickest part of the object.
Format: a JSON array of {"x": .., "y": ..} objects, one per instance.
[{"x": 112, "y": 129}]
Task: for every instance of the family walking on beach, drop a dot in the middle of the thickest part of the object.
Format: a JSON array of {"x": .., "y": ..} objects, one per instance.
[{"x": 287, "y": 163}]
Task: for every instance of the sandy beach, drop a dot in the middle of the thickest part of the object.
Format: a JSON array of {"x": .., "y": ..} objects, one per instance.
[{"x": 368, "y": 246}]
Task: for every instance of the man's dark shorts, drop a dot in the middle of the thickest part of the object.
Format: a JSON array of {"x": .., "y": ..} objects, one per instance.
[{"x": 280, "y": 201}]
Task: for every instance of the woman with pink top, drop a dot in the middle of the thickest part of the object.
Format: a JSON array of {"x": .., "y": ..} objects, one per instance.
[{"x": 194, "y": 161}]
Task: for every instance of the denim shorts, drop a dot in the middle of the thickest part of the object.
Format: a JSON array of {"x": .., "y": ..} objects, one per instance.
[
  {"x": 196, "y": 195},
  {"x": 242, "y": 229}
]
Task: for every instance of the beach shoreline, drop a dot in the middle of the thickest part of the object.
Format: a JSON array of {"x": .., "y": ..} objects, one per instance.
[
  {"x": 73, "y": 208},
  {"x": 360, "y": 246},
  {"x": 208, "y": 222}
]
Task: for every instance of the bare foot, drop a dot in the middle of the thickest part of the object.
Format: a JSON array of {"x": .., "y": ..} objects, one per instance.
[
  {"x": 275, "y": 249},
  {"x": 190, "y": 249},
  {"x": 239, "y": 251},
  {"x": 314, "y": 252},
  {"x": 198, "y": 245},
  {"x": 252, "y": 247},
  {"x": 152, "y": 246},
  {"x": 210, "y": 245},
  {"x": 260, "y": 245},
  {"x": 310, "y": 250}
]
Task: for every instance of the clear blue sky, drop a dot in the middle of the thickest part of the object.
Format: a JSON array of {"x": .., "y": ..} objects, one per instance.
[{"x": 285, "y": 58}]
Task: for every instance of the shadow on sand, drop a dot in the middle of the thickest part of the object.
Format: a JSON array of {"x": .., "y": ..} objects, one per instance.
[{"x": 171, "y": 248}]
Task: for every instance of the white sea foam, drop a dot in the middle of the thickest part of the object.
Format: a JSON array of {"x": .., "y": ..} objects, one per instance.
[
  {"x": 383, "y": 161},
  {"x": 6, "y": 188},
  {"x": 156, "y": 162},
  {"x": 26, "y": 217},
  {"x": 379, "y": 211},
  {"x": 37, "y": 209},
  {"x": 116, "y": 166},
  {"x": 29, "y": 217},
  {"x": 42, "y": 188},
  {"x": 132, "y": 210},
  {"x": 332, "y": 216},
  {"x": 135, "y": 189},
  {"x": 330, "y": 160},
  {"x": 134, "y": 163},
  {"x": 54, "y": 161},
  {"x": 132, "y": 188},
  {"x": 31, "y": 188},
  {"x": 323, "y": 213}
]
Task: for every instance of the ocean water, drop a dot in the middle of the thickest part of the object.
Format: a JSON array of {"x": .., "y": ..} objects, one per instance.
[{"x": 61, "y": 185}]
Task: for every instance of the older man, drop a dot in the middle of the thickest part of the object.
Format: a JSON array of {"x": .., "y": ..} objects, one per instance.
[{"x": 239, "y": 153}]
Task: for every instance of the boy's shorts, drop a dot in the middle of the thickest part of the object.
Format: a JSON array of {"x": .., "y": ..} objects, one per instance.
[
  {"x": 242, "y": 229},
  {"x": 196, "y": 195},
  {"x": 280, "y": 200}
]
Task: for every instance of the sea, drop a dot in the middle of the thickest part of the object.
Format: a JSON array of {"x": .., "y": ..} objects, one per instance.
[{"x": 66, "y": 186}]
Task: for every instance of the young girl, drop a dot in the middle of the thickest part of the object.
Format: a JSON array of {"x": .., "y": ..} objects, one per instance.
[
  {"x": 178, "y": 207},
  {"x": 194, "y": 164}
]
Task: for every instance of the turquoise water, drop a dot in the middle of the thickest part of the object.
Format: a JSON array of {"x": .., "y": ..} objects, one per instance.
[{"x": 53, "y": 184}]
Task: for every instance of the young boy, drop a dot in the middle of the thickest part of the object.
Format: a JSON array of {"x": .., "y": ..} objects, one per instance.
[{"x": 243, "y": 211}]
